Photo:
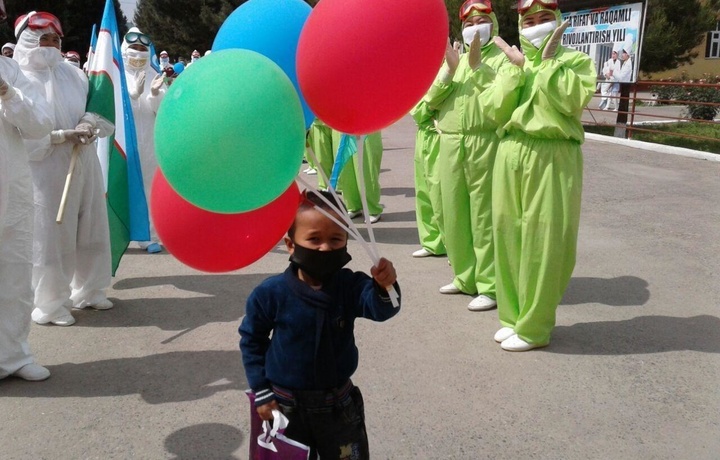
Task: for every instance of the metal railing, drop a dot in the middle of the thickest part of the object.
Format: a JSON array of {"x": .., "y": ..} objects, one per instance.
[{"x": 641, "y": 109}]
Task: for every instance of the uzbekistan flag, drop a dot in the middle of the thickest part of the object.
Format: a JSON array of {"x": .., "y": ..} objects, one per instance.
[{"x": 118, "y": 154}]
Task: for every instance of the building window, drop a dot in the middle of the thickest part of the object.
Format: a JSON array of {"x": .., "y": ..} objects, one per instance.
[{"x": 712, "y": 49}]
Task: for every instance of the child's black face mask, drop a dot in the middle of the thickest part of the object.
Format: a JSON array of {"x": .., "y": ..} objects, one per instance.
[{"x": 321, "y": 265}]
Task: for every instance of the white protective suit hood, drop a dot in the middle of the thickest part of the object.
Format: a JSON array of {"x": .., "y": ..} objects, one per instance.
[{"x": 30, "y": 55}]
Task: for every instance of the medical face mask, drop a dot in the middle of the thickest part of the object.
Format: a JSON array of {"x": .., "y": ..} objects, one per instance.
[
  {"x": 73, "y": 63},
  {"x": 137, "y": 59},
  {"x": 194, "y": 59},
  {"x": 320, "y": 265},
  {"x": 44, "y": 57},
  {"x": 164, "y": 62},
  {"x": 536, "y": 34},
  {"x": 484, "y": 29}
]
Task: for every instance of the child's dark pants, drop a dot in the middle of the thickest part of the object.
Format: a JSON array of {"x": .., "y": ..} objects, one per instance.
[{"x": 331, "y": 422}]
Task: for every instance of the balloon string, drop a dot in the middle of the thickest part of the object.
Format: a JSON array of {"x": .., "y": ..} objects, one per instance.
[
  {"x": 346, "y": 225},
  {"x": 370, "y": 249},
  {"x": 361, "y": 183}
]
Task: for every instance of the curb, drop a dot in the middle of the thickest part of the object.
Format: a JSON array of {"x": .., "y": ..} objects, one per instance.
[{"x": 660, "y": 148}]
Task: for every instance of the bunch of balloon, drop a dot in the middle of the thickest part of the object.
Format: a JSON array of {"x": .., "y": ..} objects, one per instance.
[
  {"x": 271, "y": 28},
  {"x": 229, "y": 141}
]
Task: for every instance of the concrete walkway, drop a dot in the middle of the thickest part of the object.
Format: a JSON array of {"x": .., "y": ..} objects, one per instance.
[{"x": 633, "y": 370}]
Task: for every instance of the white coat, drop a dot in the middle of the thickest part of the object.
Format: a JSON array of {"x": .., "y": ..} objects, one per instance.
[
  {"x": 23, "y": 113},
  {"x": 71, "y": 261},
  {"x": 144, "y": 106}
]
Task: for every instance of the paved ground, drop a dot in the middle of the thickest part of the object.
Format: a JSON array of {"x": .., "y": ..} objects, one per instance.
[{"x": 633, "y": 370}]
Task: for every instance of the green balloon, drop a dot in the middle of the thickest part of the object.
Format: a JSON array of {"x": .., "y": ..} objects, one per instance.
[{"x": 230, "y": 132}]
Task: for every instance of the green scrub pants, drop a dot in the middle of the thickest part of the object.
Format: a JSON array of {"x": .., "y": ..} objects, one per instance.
[
  {"x": 466, "y": 165},
  {"x": 347, "y": 182},
  {"x": 428, "y": 202},
  {"x": 320, "y": 141},
  {"x": 537, "y": 187}
]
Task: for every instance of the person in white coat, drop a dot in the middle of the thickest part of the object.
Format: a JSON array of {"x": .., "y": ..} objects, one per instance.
[
  {"x": 147, "y": 90},
  {"x": 23, "y": 113},
  {"x": 71, "y": 261},
  {"x": 610, "y": 88}
]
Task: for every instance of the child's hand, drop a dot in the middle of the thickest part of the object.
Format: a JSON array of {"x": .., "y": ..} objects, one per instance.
[
  {"x": 265, "y": 411},
  {"x": 384, "y": 273}
]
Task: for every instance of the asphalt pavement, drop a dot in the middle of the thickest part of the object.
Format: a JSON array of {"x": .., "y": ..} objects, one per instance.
[{"x": 632, "y": 372}]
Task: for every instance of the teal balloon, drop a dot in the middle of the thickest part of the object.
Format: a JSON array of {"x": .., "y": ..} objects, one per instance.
[{"x": 230, "y": 132}]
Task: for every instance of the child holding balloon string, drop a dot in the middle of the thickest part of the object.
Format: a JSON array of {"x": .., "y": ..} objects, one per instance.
[{"x": 305, "y": 368}]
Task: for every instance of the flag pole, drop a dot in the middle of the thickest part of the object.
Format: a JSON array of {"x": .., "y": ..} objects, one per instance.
[{"x": 68, "y": 180}]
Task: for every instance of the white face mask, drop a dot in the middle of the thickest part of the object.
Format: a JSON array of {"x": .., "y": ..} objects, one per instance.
[
  {"x": 484, "y": 29},
  {"x": 164, "y": 62},
  {"x": 73, "y": 63},
  {"x": 137, "y": 59},
  {"x": 44, "y": 57},
  {"x": 194, "y": 59},
  {"x": 536, "y": 34}
]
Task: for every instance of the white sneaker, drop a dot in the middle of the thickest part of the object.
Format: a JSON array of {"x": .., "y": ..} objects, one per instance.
[
  {"x": 450, "y": 289},
  {"x": 354, "y": 214},
  {"x": 32, "y": 372},
  {"x": 482, "y": 303},
  {"x": 65, "y": 320},
  {"x": 503, "y": 334},
  {"x": 374, "y": 219},
  {"x": 102, "y": 305},
  {"x": 422, "y": 252},
  {"x": 311, "y": 172},
  {"x": 515, "y": 343}
]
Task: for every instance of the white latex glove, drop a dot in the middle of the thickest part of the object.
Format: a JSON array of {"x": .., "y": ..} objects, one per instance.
[
  {"x": 475, "y": 54},
  {"x": 552, "y": 44},
  {"x": 76, "y": 136},
  {"x": 139, "y": 86},
  {"x": 156, "y": 85},
  {"x": 452, "y": 58},
  {"x": 512, "y": 52}
]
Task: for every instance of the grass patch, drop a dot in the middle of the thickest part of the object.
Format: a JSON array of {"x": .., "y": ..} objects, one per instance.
[{"x": 666, "y": 137}]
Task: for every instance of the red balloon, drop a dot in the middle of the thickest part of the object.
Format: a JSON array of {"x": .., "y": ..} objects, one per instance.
[
  {"x": 363, "y": 64},
  {"x": 215, "y": 242}
]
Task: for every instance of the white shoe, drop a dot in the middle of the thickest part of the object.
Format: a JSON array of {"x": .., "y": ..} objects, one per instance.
[
  {"x": 422, "y": 252},
  {"x": 65, "y": 320},
  {"x": 311, "y": 171},
  {"x": 102, "y": 305},
  {"x": 32, "y": 372},
  {"x": 515, "y": 343},
  {"x": 354, "y": 214},
  {"x": 374, "y": 219},
  {"x": 450, "y": 289},
  {"x": 503, "y": 334},
  {"x": 482, "y": 303}
]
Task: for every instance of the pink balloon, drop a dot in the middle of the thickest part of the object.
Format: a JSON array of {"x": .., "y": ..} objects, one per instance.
[
  {"x": 215, "y": 242},
  {"x": 363, "y": 64}
]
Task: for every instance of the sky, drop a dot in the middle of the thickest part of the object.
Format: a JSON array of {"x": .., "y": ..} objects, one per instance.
[{"x": 128, "y": 7}]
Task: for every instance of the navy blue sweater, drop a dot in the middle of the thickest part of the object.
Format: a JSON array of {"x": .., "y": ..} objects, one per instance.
[{"x": 312, "y": 345}]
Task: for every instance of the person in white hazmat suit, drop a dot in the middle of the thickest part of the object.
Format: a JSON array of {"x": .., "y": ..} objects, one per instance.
[
  {"x": 147, "y": 90},
  {"x": 71, "y": 261},
  {"x": 23, "y": 113}
]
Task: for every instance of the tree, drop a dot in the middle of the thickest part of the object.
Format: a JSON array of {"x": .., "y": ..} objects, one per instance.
[
  {"x": 673, "y": 29},
  {"x": 76, "y": 16},
  {"x": 181, "y": 26}
]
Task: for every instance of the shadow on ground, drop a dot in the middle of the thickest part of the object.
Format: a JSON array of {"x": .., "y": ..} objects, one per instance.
[
  {"x": 207, "y": 440},
  {"x": 644, "y": 334},
  {"x": 407, "y": 192},
  {"x": 158, "y": 379},
  {"x": 619, "y": 291},
  {"x": 215, "y": 299}
]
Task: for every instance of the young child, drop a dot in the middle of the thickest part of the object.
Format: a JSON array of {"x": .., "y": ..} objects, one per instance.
[{"x": 305, "y": 368}]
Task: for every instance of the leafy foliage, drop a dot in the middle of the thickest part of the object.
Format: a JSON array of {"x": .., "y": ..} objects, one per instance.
[
  {"x": 704, "y": 95},
  {"x": 76, "y": 16},
  {"x": 673, "y": 29}
]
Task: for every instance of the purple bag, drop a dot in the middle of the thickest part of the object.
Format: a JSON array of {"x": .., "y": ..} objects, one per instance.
[
  {"x": 267, "y": 442},
  {"x": 273, "y": 445}
]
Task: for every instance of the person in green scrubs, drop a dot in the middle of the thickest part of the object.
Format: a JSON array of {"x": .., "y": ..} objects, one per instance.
[
  {"x": 537, "y": 181},
  {"x": 468, "y": 145},
  {"x": 428, "y": 202}
]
